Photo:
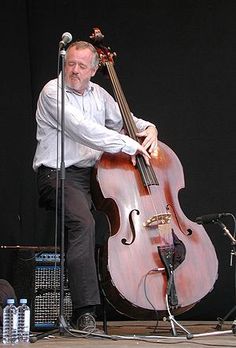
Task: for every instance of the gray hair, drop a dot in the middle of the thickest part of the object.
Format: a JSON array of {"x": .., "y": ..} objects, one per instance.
[{"x": 82, "y": 45}]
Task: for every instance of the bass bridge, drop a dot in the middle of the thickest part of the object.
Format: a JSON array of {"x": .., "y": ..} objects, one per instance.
[{"x": 159, "y": 219}]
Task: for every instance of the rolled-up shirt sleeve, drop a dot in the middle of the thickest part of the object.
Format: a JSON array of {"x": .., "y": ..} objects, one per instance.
[
  {"x": 92, "y": 125},
  {"x": 85, "y": 131}
]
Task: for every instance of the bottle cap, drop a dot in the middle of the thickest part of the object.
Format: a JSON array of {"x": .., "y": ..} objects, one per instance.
[
  {"x": 23, "y": 300},
  {"x": 10, "y": 301}
]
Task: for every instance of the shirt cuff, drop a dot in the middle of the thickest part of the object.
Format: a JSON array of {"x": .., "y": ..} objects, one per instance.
[{"x": 130, "y": 145}]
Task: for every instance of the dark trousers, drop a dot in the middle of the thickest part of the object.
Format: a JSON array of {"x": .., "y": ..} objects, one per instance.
[{"x": 80, "y": 230}]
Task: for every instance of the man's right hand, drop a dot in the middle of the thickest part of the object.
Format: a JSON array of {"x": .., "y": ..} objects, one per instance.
[{"x": 141, "y": 151}]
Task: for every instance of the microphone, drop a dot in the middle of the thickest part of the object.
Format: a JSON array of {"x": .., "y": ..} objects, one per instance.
[
  {"x": 65, "y": 39},
  {"x": 210, "y": 218}
]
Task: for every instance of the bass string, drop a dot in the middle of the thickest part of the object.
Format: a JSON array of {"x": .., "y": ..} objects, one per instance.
[{"x": 147, "y": 172}]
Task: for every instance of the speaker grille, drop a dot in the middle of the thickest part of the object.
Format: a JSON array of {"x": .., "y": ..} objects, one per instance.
[{"x": 46, "y": 299}]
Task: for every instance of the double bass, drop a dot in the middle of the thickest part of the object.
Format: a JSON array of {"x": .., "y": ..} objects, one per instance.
[{"x": 155, "y": 257}]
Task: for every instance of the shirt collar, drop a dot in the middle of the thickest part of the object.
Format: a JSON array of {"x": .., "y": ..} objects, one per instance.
[{"x": 88, "y": 90}]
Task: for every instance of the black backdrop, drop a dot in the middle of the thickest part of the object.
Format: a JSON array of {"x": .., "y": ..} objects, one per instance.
[{"x": 176, "y": 63}]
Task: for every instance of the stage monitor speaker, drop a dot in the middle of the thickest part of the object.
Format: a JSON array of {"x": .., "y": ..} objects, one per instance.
[
  {"x": 45, "y": 303},
  {"x": 34, "y": 273}
]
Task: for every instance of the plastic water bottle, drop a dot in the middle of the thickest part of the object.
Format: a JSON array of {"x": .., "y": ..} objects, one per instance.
[
  {"x": 10, "y": 323},
  {"x": 23, "y": 321}
]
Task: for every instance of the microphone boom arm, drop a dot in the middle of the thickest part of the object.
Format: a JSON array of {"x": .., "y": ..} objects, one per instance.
[{"x": 226, "y": 231}]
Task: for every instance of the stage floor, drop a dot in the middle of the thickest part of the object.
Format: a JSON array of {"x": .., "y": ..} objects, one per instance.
[{"x": 123, "y": 334}]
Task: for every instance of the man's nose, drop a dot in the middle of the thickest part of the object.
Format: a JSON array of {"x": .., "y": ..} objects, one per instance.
[{"x": 76, "y": 68}]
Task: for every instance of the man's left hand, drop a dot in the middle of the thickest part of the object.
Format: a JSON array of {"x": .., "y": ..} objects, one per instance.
[{"x": 150, "y": 141}]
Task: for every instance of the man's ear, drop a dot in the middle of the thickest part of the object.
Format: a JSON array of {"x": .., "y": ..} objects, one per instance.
[{"x": 94, "y": 71}]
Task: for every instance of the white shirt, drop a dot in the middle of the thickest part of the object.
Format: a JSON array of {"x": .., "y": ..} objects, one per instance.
[{"x": 92, "y": 126}]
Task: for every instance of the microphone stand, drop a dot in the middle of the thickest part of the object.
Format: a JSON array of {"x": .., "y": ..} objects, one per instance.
[
  {"x": 62, "y": 324},
  {"x": 232, "y": 253},
  {"x": 171, "y": 318}
]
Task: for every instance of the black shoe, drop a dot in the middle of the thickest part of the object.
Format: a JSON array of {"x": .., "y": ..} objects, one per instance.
[{"x": 87, "y": 323}]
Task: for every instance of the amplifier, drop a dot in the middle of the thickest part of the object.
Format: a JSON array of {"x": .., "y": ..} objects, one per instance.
[{"x": 45, "y": 304}]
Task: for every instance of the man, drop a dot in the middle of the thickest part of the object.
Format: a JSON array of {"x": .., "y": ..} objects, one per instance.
[{"x": 93, "y": 124}]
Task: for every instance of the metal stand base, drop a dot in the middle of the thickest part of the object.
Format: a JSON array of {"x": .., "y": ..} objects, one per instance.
[
  {"x": 192, "y": 336},
  {"x": 62, "y": 328},
  {"x": 173, "y": 323},
  {"x": 222, "y": 320}
]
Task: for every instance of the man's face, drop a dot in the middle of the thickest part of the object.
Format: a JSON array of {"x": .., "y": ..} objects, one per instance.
[{"x": 78, "y": 68}]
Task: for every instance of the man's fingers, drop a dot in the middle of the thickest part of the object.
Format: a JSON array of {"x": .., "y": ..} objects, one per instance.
[{"x": 133, "y": 160}]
